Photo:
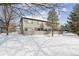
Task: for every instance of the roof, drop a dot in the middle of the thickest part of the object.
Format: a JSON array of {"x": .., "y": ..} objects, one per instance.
[{"x": 33, "y": 19}]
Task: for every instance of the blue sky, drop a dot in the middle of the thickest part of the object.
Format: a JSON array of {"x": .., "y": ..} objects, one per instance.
[{"x": 67, "y": 9}]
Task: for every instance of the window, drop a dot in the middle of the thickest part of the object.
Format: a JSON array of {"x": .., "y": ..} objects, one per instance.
[
  {"x": 41, "y": 29},
  {"x": 30, "y": 21},
  {"x": 45, "y": 30},
  {"x": 39, "y": 22},
  {"x": 25, "y": 20},
  {"x": 26, "y": 29},
  {"x": 38, "y": 29},
  {"x": 36, "y": 22}
]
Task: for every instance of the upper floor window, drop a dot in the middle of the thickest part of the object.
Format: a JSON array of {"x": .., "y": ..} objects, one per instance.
[
  {"x": 26, "y": 29},
  {"x": 35, "y": 22},
  {"x": 39, "y": 22},
  {"x": 30, "y": 21}
]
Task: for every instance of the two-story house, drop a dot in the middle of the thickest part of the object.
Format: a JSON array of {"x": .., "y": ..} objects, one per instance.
[{"x": 33, "y": 25}]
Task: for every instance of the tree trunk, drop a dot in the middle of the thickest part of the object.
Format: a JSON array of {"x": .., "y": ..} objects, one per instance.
[
  {"x": 1, "y": 30},
  {"x": 52, "y": 31},
  {"x": 21, "y": 27},
  {"x": 7, "y": 29}
]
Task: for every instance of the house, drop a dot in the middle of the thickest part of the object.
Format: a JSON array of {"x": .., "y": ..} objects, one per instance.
[
  {"x": 11, "y": 28},
  {"x": 34, "y": 26}
]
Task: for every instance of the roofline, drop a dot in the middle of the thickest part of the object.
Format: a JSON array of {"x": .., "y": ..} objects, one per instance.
[{"x": 33, "y": 19}]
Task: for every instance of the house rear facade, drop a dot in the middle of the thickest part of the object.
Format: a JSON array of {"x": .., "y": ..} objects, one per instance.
[{"x": 33, "y": 25}]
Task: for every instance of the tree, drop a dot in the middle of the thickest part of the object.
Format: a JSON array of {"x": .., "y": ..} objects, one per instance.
[
  {"x": 73, "y": 21},
  {"x": 52, "y": 20},
  {"x": 61, "y": 29},
  {"x": 41, "y": 26},
  {"x": 64, "y": 28},
  {"x": 7, "y": 14}
]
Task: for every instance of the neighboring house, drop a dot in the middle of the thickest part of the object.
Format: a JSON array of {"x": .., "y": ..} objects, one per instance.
[
  {"x": 33, "y": 25},
  {"x": 12, "y": 27}
]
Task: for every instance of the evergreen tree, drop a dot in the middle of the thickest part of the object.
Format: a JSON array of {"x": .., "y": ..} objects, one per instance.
[
  {"x": 52, "y": 20},
  {"x": 73, "y": 21},
  {"x": 64, "y": 28}
]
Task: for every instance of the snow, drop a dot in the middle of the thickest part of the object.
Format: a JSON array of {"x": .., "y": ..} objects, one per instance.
[{"x": 39, "y": 45}]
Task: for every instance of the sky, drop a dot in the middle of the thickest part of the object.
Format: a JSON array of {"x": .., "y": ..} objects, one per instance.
[
  {"x": 64, "y": 12},
  {"x": 64, "y": 15}
]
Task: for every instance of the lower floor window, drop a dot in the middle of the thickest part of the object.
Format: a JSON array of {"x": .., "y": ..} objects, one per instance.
[
  {"x": 45, "y": 29},
  {"x": 26, "y": 29},
  {"x": 41, "y": 29},
  {"x": 38, "y": 29}
]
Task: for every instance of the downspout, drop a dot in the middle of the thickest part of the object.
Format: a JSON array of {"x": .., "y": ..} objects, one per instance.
[{"x": 21, "y": 26}]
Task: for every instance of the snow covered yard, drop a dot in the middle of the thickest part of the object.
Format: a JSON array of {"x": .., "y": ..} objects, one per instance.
[{"x": 39, "y": 45}]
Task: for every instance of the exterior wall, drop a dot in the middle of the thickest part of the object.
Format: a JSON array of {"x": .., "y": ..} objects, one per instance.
[
  {"x": 12, "y": 27},
  {"x": 31, "y": 25}
]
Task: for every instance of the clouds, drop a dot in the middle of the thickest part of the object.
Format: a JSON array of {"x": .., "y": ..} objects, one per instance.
[
  {"x": 64, "y": 9},
  {"x": 42, "y": 16},
  {"x": 57, "y": 10}
]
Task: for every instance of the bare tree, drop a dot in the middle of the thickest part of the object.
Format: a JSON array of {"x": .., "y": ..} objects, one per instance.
[{"x": 8, "y": 13}]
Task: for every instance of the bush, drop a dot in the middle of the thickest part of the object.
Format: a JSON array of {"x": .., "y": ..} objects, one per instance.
[{"x": 77, "y": 32}]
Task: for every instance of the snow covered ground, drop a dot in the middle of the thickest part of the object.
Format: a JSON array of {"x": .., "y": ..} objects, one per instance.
[{"x": 39, "y": 45}]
